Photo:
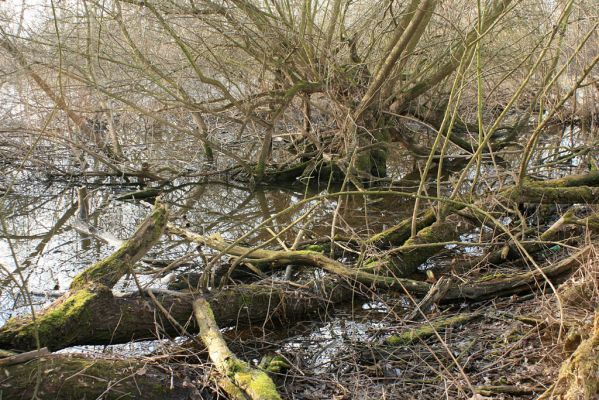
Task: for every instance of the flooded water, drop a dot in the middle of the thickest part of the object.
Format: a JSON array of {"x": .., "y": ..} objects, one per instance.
[
  {"x": 40, "y": 235},
  {"x": 42, "y": 247}
]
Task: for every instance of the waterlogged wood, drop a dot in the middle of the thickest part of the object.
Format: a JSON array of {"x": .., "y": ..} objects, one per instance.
[
  {"x": 237, "y": 377},
  {"x": 398, "y": 234},
  {"x": 485, "y": 288},
  {"x": 114, "y": 319},
  {"x": 507, "y": 284},
  {"x": 427, "y": 242},
  {"x": 100, "y": 317},
  {"x": 549, "y": 191},
  {"x": 405, "y": 259},
  {"x": 75, "y": 377}
]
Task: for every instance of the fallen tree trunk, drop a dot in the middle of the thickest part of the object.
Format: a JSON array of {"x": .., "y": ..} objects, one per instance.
[
  {"x": 567, "y": 190},
  {"x": 485, "y": 288},
  {"x": 66, "y": 319},
  {"x": 108, "y": 271},
  {"x": 237, "y": 377},
  {"x": 533, "y": 193},
  {"x": 93, "y": 315},
  {"x": 590, "y": 178},
  {"x": 112, "y": 319},
  {"x": 577, "y": 379},
  {"x": 74, "y": 377},
  {"x": 502, "y": 285},
  {"x": 119, "y": 319},
  {"x": 429, "y": 329},
  {"x": 398, "y": 234},
  {"x": 404, "y": 260},
  {"x": 282, "y": 258}
]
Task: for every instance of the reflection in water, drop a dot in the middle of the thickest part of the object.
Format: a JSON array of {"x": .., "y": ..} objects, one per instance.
[
  {"x": 40, "y": 244},
  {"x": 50, "y": 252}
]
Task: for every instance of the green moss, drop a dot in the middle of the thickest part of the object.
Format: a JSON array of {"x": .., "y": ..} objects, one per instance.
[
  {"x": 109, "y": 270},
  {"x": 263, "y": 386},
  {"x": 492, "y": 277},
  {"x": 273, "y": 364},
  {"x": 315, "y": 247},
  {"x": 547, "y": 194},
  {"x": 259, "y": 172},
  {"x": 428, "y": 330},
  {"x": 396, "y": 234},
  {"x": 56, "y": 326},
  {"x": 258, "y": 384},
  {"x": 98, "y": 271},
  {"x": 373, "y": 265},
  {"x": 254, "y": 382}
]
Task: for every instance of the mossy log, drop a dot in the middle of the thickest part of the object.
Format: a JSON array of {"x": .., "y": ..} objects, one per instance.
[
  {"x": 583, "y": 188},
  {"x": 237, "y": 377},
  {"x": 112, "y": 319},
  {"x": 405, "y": 259},
  {"x": 427, "y": 242},
  {"x": 282, "y": 258},
  {"x": 535, "y": 193},
  {"x": 96, "y": 316},
  {"x": 504, "y": 285},
  {"x": 427, "y": 330},
  {"x": 107, "y": 318},
  {"x": 479, "y": 290},
  {"x": 109, "y": 270},
  {"x": 75, "y": 377},
  {"x": 60, "y": 324},
  {"x": 549, "y": 191},
  {"x": 578, "y": 379},
  {"x": 591, "y": 222},
  {"x": 398, "y": 234},
  {"x": 587, "y": 179}
]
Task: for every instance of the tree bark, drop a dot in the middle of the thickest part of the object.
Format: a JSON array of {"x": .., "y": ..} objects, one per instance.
[
  {"x": 577, "y": 379},
  {"x": 108, "y": 271},
  {"x": 75, "y": 377},
  {"x": 237, "y": 377},
  {"x": 111, "y": 319}
]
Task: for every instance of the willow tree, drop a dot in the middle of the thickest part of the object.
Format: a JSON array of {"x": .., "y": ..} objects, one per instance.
[{"x": 335, "y": 77}]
